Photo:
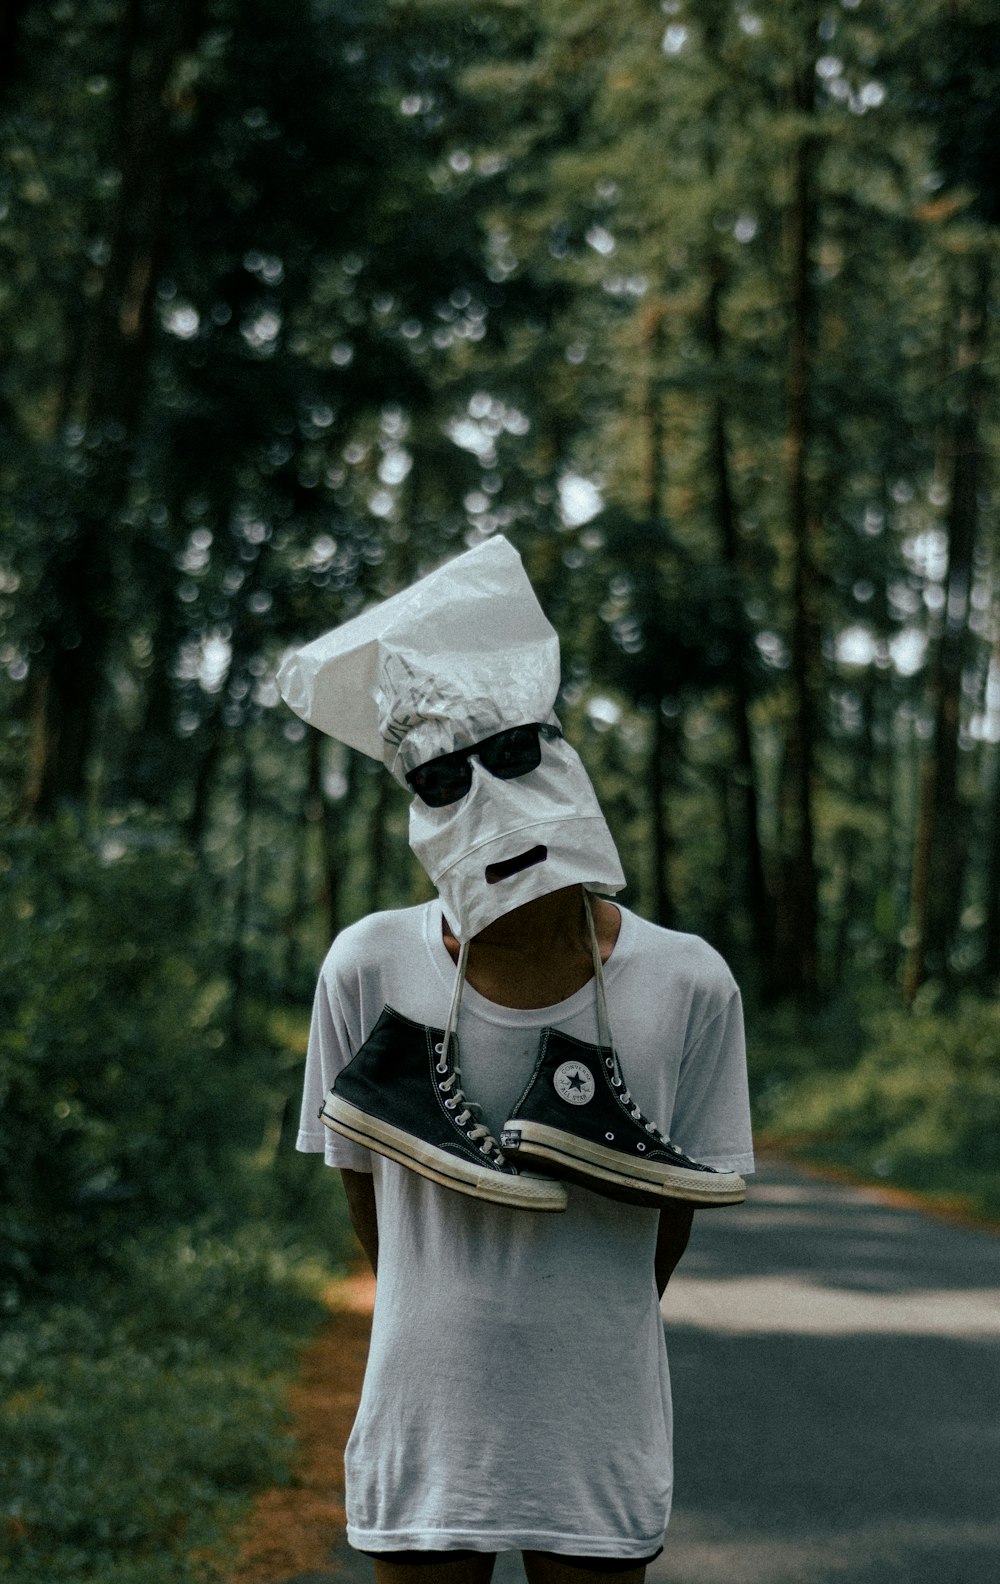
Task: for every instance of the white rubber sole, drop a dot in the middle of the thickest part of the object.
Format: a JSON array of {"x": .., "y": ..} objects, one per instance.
[
  {"x": 523, "y": 1192},
  {"x": 648, "y": 1178}
]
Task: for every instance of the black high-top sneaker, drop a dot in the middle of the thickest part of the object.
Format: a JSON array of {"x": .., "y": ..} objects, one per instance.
[
  {"x": 401, "y": 1096},
  {"x": 577, "y": 1120}
]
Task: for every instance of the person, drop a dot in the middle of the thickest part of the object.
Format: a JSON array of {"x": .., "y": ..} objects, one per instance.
[{"x": 517, "y": 1392}]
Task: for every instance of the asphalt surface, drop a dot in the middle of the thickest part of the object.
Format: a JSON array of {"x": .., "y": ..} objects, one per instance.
[{"x": 836, "y": 1378}]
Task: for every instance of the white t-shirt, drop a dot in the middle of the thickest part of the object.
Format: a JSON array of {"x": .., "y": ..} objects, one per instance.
[{"x": 517, "y": 1395}]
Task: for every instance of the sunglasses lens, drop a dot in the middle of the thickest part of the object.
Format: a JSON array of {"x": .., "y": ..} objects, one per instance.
[
  {"x": 442, "y": 781},
  {"x": 512, "y": 753},
  {"x": 507, "y": 755}
]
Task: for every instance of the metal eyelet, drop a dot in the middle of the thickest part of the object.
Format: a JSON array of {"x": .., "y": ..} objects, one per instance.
[
  {"x": 609, "y": 1062},
  {"x": 450, "y": 1105},
  {"x": 439, "y": 1048},
  {"x": 640, "y": 1146},
  {"x": 650, "y": 1127},
  {"x": 609, "y": 1135},
  {"x": 440, "y": 1066}
]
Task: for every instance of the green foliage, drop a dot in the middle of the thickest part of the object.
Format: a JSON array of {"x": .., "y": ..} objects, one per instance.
[
  {"x": 137, "y": 1417},
  {"x": 402, "y": 275},
  {"x": 375, "y": 282},
  {"x": 920, "y": 1107},
  {"x": 786, "y": 1042},
  {"x": 149, "y": 1188},
  {"x": 125, "y": 1100}
]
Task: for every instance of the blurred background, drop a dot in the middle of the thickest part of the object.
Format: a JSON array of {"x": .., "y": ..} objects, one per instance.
[{"x": 697, "y": 304}]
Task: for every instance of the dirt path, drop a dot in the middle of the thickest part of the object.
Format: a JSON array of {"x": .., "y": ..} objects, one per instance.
[{"x": 291, "y": 1529}]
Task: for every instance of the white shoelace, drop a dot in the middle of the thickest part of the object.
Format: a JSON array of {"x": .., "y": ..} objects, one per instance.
[
  {"x": 465, "y": 1109},
  {"x": 458, "y": 1102},
  {"x": 606, "y": 1038}
]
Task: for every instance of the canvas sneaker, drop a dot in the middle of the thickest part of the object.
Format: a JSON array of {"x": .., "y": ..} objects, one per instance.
[
  {"x": 577, "y": 1120},
  {"x": 401, "y": 1096}
]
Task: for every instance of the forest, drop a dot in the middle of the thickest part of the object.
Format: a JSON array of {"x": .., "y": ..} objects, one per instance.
[{"x": 696, "y": 304}]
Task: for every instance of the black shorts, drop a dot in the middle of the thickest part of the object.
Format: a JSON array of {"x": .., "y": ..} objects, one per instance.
[{"x": 593, "y": 1564}]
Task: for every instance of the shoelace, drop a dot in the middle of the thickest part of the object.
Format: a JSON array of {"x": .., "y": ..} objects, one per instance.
[
  {"x": 464, "y": 1109},
  {"x": 458, "y": 1102},
  {"x": 606, "y": 1038},
  {"x": 627, "y": 1101},
  {"x": 458, "y": 1098}
]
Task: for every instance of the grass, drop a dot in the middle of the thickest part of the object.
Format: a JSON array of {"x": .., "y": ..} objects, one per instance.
[
  {"x": 139, "y": 1417},
  {"x": 909, "y": 1099},
  {"x": 966, "y": 1195}
]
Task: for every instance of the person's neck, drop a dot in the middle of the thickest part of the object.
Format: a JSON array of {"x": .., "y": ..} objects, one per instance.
[
  {"x": 556, "y": 922},
  {"x": 539, "y": 953}
]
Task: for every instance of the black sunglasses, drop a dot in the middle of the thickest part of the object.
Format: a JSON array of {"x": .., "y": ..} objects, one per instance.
[{"x": 506, "y": 755}]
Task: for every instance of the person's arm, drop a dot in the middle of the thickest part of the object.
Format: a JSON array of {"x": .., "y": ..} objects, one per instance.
[
  {"x": 671, "y": 1239},
  {"x": 359, "y": 1190}
]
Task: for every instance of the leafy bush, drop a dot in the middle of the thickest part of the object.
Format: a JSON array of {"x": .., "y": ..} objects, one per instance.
[
  {"x": 787, "y": 1043},
  {"x": 136, "y": 1422},
  {"x": 125, "y": 1100},
  {"x": 155, "y": 1295},
  {"x": 922, "y": 1105}
]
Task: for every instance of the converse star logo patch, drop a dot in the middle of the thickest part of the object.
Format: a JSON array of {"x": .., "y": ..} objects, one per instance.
[{"x": 574, "y": 1083}]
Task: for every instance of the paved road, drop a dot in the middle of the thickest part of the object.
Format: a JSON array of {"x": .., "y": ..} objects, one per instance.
[
  {"x": 836, "y": 1377},
  {"x": 836, "y": 1380}
]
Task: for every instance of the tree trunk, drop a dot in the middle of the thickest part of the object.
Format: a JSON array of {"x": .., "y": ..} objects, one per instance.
[
  {"x": 851, "y": 854},
  {"x": 378, "y": 839},
  {"x": 800, "y": 973},
  {"x": 196, "y": 823},
  {"x": 310, "y": 816},
  {"x": 658, "y": 762},
  {"x": 328, "y": 814},
  {"x": 659, "y": 756},
  {"x": 11, "y": 17},
  {"x": 941, "y": 841},
  {"x": 332, "y": 830},
  {"x": 991, "y": 954},
  {"x": 105, "y": 401},
  {"x": 241, "y": 905},
  {"x": 743, "y": 777}
]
